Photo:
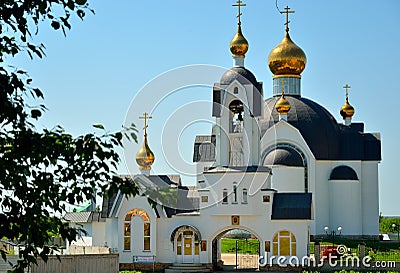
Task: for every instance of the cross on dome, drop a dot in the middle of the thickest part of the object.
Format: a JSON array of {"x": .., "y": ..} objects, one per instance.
[
  {"x": 146, "y": 117},
  {"x": 287, "y": 11},
  {"x": 283, "y": 81},
  {"x": 347, "y": 87},
  {"x": 239, "y": 4}
]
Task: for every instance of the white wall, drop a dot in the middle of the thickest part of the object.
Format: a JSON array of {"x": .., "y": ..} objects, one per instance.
[
  {"x": 253, "y": 182},
  {"x": 99, "y": 234},
  {"x": 337, "y": 203},
  {"x": 287, "y": 179},
  {"x": 370, "y": 197},
  {"x": 211, "y": 226},
  {"x": 345, "y": 206}
]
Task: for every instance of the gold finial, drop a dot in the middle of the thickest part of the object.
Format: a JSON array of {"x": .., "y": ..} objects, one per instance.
[
  {"x": 145, "y": 157},
  {"x": 287, "y": 11},
  {"x": 239, "y": 45},
  {"x": 287, "y": 58},
  {"x": 282, "y": 105},
  {"x": 239, "y": 4},
  {"x": 347, "y": 111}
]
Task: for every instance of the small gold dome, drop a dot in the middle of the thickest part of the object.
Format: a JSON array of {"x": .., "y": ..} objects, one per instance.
[
  {"x": 282, "y": 106},
  {"x": 287, "y": 58},
  {"x": 347, "y": 111},
  {"x": 145, "y": 157},
  {"x": 239, "y": 44}
]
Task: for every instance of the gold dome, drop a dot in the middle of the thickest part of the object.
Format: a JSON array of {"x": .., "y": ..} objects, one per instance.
[
  {"x": 282, "y": 105},
  {"x": 347, "y": 111},
  {"x": 145, "y": 157},
  {"x": 287, "y": 58},
  {"x": 239, "y": 44}
]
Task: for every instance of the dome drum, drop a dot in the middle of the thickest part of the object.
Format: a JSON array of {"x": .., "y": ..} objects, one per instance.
[{"x": 291, "y": 84}]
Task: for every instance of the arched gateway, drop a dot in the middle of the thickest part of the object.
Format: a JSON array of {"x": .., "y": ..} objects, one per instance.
[{"x": 241, "y": 250}]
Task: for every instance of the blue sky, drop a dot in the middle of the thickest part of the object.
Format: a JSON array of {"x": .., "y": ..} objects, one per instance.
[{"x": 93, "y": 74}]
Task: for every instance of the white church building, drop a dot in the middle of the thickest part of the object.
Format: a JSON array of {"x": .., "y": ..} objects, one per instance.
[{"x": 281, "y": 168}]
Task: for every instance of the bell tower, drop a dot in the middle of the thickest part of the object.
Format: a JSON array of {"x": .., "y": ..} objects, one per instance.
[{"x": 237, "y": 106}]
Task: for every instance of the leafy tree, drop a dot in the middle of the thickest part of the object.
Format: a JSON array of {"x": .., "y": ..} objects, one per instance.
[
  {"x": 386, "y": 223},
  {"x": 43, "y": 171}
]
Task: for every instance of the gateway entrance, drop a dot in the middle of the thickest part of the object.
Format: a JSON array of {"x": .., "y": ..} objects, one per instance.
[{"x": 235, "y": 249}]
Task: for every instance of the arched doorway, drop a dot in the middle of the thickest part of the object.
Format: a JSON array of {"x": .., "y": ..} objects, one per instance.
[
  {"x": 236, "y": 248},
  {"x": 186, "y": 240}
]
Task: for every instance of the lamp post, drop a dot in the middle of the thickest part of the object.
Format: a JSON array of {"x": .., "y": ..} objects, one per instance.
[
  {"x": 396, "y": 228},
  {"x": 333, "y": 233}
]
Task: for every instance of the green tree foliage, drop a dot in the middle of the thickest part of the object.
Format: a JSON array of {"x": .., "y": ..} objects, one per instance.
[
  {"x": 385, "y": 225},
  {"x": 41, "y": 172}
]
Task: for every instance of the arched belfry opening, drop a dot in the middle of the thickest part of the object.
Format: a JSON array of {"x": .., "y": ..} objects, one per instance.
[{"x": 236, "y": 117}]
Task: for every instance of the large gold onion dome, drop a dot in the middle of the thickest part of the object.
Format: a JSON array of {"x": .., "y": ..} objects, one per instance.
[
  {"x": 347, "y": 111},
  {"x": 239, "y": 44},
  {"x": 145, "y": 157},
  {"x": 287, "y": 58},
  {"x": 282, "y": 106}
]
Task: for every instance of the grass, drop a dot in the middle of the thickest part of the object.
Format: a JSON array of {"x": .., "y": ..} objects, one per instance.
[{"x": 229, "y": 246}]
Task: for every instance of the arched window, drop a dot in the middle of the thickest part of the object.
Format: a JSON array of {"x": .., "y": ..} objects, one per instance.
[
  {"x": 225, "y": 196},
  {"x": 235, "y": 197},
  {"x": 284, "y": 244},
  {"x": 128, "y": 228},
  {"x": 244, "y": 196}
]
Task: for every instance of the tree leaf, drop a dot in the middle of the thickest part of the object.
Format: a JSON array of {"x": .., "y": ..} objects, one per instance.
[{"x": 98, "y": 126}]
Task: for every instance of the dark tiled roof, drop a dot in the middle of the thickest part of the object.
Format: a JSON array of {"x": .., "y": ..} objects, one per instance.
[
  {"x": 83, "y": 217},
  {"x": 317, "y": 126},
  {"x": 284, "y": 156},
  {"x": 241, "y": 74},
  {"x": 108, "y": 202},
  {"x": 165, "y": 180},
  {"x": 183, "y": 202},
  {"x": 343, "y": 173},
  {"x": 327, "y": 139},
  {"x": 247, "y": 169},
  {"x": 204, "y": 149},
  {"x": 291, "y": 206}
]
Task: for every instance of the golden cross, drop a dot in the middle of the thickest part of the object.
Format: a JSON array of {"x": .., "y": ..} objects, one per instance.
[
  {"x": 283, "y": 81},
  {"x": 239, "y": 4},
  {"x": 145, "y": 116},
  {"x": 347, "y": 91},
  {"x": 287, "y": 11}
]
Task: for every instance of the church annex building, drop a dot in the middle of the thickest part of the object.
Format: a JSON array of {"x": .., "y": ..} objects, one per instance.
[{"x": 280, "y": 168}]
